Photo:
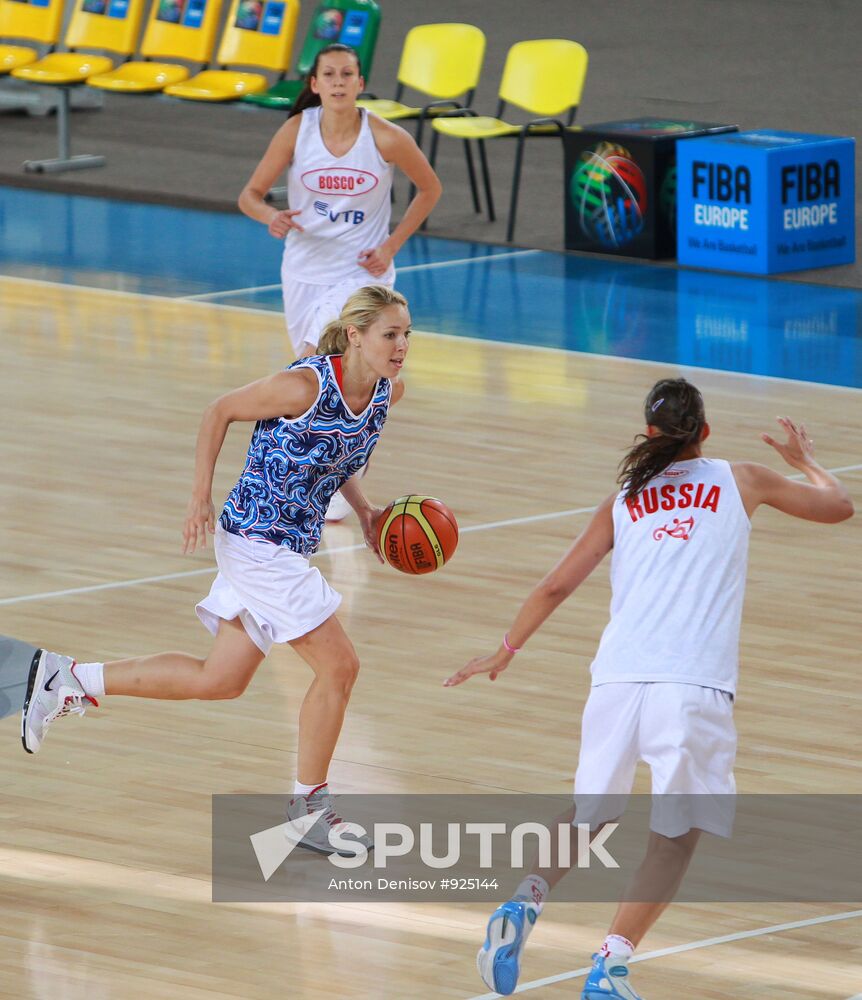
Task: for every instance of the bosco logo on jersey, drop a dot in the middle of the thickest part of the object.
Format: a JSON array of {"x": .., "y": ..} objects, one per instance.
[{"x": 340, "y": 180}]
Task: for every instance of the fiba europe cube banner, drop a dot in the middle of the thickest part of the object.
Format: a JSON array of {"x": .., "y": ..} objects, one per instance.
[{"x": 766, "y": 201}]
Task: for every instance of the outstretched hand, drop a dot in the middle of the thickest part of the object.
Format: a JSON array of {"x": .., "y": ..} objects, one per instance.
[
  {"x": 492, "y": 665},
  {"x": 200, "y": 519},
  {"x": 798, "y": 449}
]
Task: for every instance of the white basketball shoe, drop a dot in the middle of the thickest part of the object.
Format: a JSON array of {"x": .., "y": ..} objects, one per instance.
[
  {"x": 53, "y": 692},
  {"x": 338, "y": 509},
  {"x": 317, "y": 837}
]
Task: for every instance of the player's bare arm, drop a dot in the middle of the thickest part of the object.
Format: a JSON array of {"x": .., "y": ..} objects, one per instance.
[
  {"x": 398, "y": 147},
  {"x": 286, "y": 393},
  {"x": 276, "y": 159},
  {"x": 824, "y": 498},
  {"x": 587, "y": 551}
]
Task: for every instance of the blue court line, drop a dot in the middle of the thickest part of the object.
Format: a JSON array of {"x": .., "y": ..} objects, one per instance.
[{"x": 678, "y": 317}]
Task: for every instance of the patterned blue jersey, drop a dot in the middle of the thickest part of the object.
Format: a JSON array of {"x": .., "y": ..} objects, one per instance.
[{"x": 293, "y": 467}]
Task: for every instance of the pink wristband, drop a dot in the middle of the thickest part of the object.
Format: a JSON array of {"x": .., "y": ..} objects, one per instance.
[{"x": 508, "y": 646}]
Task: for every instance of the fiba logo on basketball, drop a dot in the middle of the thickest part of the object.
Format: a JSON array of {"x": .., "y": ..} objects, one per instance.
[
  {"x": 417, "y": 534},
  {"x": 608, "y": 190}
]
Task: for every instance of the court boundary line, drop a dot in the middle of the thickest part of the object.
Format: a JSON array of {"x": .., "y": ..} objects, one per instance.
[
  {"x": 430, "y": 266},
  {"x": 450, "y": 336},
  {"x": 138, "y": 581},
  {"x": 691, "y": 946},
  {"x": 183, "y": 574}
]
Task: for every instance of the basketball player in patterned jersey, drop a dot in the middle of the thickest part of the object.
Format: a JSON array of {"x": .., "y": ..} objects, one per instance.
[
  {"x": 664, "y": 676},
  {"x": 340, "y": 162},
  {"x": 317, "y": 423}
]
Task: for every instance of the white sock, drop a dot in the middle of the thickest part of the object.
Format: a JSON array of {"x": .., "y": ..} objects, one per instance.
[
  {"x": 91, "y": 677},
  {"x": 300, "y": 789},
  {"x": 617, "y": 945},
  {"x": 533, "y": 889}
]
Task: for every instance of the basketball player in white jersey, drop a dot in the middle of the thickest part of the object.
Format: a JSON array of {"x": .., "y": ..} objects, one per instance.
[
  {"x": 316, "y": 424},
  {"x": 340, "y": 162},
  {"x": 664, "y": 676}
]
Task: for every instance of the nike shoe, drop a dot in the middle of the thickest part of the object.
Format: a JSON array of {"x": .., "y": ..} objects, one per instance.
[
  {"x": 53, "y": 692},
  {"x": 338, "y": 509},
  {"x": 499, "y": 958},
  {"x": 609, "y": 978},
  {"x": 317, "y": 837}
]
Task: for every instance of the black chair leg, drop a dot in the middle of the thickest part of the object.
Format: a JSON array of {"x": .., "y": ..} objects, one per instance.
[
  {"x": 420, "y": 128},
  {"x": 432, "y": 159},
  {"x": 471, "y": 171},
  {"x": 486, "y": 177},
  {"x": 516, "y": 184}
]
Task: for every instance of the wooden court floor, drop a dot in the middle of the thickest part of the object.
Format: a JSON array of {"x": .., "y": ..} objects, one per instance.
[{"x": 105, "y": 835}]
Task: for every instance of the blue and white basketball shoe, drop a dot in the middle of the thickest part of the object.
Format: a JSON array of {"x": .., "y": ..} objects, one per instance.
[
  {"x": 609, "y": 980},
  {"x": 499, "y": 958}
]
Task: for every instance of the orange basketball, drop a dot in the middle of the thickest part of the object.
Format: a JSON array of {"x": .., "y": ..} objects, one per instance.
[{"x": 417, "y": 534}]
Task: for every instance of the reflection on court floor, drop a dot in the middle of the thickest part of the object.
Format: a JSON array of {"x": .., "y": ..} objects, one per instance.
[{"x": 693, "y": 318}]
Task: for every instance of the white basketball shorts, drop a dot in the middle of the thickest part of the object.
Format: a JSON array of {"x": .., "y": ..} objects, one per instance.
[
  {"x": 273, "y": 591},
  {"x": 308, "y": 308},
  {"x": 684, "y": 732}
]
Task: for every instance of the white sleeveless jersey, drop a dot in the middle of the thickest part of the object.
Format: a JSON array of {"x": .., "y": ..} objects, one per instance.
[
  {"x": 345, "y": 206},
  {"x": 678, "y": 580}
]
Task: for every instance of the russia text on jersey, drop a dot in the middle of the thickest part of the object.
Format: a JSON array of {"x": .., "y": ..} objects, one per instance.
[{"x": 670, "y": 497}]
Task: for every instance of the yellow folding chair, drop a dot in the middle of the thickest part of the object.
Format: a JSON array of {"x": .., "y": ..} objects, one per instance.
[
  {"x": 256, "y": 34},
  {"x": 175, "y": 30},
  {"x": 440, "y": 61},
  {"x": 107, "y": 25},
  {"x": 40, "y": 24},
  {"x": 545, "y": 78},
  {"x": 443, "y": 62}
]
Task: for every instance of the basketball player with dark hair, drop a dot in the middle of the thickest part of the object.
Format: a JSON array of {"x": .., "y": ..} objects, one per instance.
[{"x": 665, "y": 674}]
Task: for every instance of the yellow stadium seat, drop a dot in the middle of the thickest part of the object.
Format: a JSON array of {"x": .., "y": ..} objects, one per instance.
[
  {"x": 13, "y": 56},
  {"x": 58, "y": 68},
  {"x": 545, "y": 78},
  {"x": 174, "y": 30},
  {"x": 31, "y": 23},
  {"x": 255, "y": 34},
  {"x": 139, "y": 77},
  {"x": 106, "y": 25},
  {"x": 442, "y": 62}
]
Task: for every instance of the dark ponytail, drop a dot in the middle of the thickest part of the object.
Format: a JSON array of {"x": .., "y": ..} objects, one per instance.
[
  {"x": 674, "y": 407},
  {"x": 307, "y": 98}
]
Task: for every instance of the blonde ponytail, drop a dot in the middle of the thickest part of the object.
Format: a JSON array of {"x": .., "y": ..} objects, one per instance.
[
  {"x": 360, "y": 311},
  {"x": 333, "y": 340}
]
